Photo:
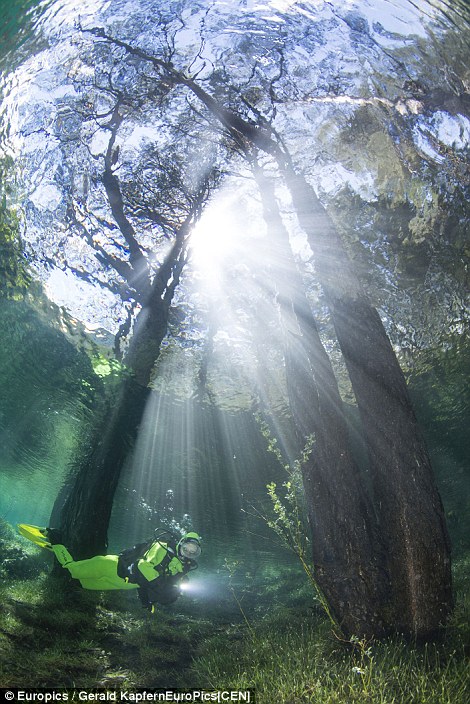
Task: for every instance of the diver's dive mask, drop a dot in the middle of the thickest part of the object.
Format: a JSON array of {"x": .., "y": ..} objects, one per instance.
[{"x": 189, "y": 546}]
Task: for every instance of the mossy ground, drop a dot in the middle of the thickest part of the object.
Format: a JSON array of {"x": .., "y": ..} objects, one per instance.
[{"x": 54, "y": 634}]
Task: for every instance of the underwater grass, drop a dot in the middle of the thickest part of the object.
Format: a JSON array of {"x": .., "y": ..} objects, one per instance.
[
  {"x": 54, "y": 634},
  {"x": 303, "y": 664},
  {"x": 291, "y": 657}
]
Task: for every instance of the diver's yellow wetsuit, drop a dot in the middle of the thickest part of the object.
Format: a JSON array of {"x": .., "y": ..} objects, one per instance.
[
  {"x": 157, "y": 573},
  {"x": 101, "y": 572}
]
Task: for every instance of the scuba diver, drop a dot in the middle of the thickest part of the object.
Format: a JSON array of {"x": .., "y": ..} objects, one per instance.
[{"x": 157, "y": 568}]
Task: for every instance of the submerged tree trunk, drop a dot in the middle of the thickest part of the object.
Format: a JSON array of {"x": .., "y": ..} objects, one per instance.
[
  {"x": 86, "y": 511},
  {"x": 410, "y": 511},
  {"x": 344, "y": 539},
  {"x": 87, "y": 508},
  {"x": 407, "y": 502}
]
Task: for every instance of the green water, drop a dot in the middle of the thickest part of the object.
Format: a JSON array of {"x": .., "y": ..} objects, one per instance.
[{"x": 382, "y": 129}]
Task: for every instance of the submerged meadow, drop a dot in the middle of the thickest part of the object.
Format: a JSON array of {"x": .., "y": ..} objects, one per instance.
[
  {"x": 265, "y": 631},
  {"x": 234, "y": 301}
]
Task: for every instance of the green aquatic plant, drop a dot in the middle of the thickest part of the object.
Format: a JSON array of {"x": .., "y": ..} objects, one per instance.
[
  {"x": 287, "y": 519},
  {"x": 106, "y": 366},
  {"x": 365, "y": 667},
  {"x": 288, "y": 523},
  {"x": 17, "y": 560},
  {"x": 307, "y": 665}
]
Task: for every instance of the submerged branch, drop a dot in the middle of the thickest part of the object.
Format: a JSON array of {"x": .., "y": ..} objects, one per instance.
[
  {"x": 139, "y": 276},
  {"x": 240, "y": 130}
]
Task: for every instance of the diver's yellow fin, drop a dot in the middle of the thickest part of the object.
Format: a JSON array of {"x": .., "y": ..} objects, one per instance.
[{"x": 35, "y": 534}]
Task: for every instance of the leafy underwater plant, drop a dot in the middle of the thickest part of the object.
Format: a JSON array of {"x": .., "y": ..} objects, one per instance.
[
  {"x": 288, "y": 523},
  {"x": 288, "y": 518}
]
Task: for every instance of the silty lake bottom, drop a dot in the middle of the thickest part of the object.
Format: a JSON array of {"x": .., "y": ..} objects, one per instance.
[{"x": 234, "y": 303}]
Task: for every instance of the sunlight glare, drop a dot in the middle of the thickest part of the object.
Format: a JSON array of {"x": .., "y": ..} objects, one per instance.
[{"x": 215, "y": 238}]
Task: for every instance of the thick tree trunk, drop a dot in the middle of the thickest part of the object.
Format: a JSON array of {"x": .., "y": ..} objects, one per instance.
[
  {"x": 85, "y": 513},
  {"x": 409, "y": 507},
  {"x": 410, "y": 512},
  {"x": 87, "y": 509},
  {"x": 347, "y": 567}
]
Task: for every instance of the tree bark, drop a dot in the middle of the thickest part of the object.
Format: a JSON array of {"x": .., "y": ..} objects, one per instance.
[
  {"x": 410, "y": 511},
  {"x": 411, "y": 516},
  {"x": 85, "y": 513},
  {"x": 345, "y": 546}
]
